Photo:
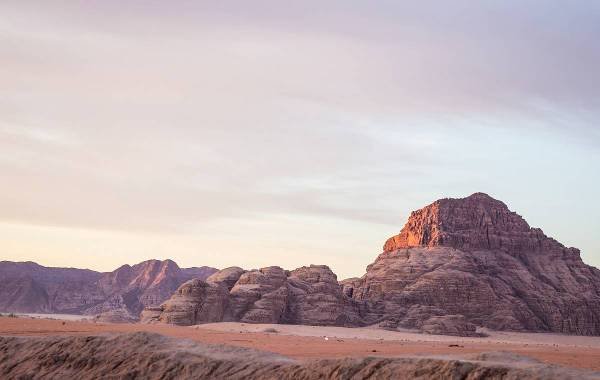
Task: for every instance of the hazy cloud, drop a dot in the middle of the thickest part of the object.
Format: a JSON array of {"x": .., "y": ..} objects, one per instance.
[{"x": 160, "y": 118}]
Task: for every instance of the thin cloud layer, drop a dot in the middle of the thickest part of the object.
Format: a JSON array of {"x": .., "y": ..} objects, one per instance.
[{"x": 158, "y": 119}]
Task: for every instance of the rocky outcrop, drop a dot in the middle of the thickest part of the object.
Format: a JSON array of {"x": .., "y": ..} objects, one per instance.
[
  {"x": 151, "y": 356},
  {"x": 456, "y": 265},
  {"x": 307, "y": 295},
  {"x": 475, "y": 258},
  {"x": 121, "y": 294}
]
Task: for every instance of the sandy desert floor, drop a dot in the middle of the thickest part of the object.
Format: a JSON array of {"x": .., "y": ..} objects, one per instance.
[{"x": 302, "y": 342}]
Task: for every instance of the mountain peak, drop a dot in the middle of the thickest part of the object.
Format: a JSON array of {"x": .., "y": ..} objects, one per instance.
[
  {"x": 479, "y": 195},
  {"x": 475, "y": 222}
]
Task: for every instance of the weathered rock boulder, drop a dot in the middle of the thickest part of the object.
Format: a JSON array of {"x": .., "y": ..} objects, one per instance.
[
  {"x": 316, "y": 298},
  {"x": 307, "y": 295},
  {"x": 227, "y": 276},
  {"x": 259, "y": 296}
]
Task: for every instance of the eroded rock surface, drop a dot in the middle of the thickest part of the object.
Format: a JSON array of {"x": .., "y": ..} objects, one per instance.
[{"x": 307, "y": 295}]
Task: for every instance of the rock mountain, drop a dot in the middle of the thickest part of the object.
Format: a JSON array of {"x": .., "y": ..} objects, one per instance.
[
  {"x": 457, "y": 264},
  {"x": 475, "y": 259},
  {"x": 118, "y": 295}
]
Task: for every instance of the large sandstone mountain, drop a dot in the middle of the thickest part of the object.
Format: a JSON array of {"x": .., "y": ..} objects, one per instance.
[
  {"x": 457, "y": 264},
  {"x": 475, "y": 259},
  {"x": 121, "y": 294}
]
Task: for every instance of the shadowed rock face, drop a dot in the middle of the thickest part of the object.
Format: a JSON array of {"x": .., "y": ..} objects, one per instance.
[
  {"x": 121, "y": 294},
  {"x": 456, "y": 264},
  {"x": 307, "y": 295},
  {"x": 152, "y": 356},
  {"x": 31, "y": 288}
]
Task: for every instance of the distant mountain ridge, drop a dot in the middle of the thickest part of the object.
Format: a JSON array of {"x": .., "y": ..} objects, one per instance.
[{"x": 31, "y": 288}]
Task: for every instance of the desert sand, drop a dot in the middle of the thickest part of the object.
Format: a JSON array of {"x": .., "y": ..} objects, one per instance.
[
  {"x": 151, "y": 356},
  {"x": 373, "y": 333},
  {"x": 62, "y": 317},
  {"x": 308, "y": 342}
]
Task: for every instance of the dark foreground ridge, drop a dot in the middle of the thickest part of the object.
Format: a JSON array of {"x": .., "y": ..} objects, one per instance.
[{"x": 151, "y": 356}]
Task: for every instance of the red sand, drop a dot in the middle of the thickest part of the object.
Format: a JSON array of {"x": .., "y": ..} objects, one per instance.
[{"x": 312, "y": 347}]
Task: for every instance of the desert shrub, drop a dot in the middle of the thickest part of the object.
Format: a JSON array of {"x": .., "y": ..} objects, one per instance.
[{"x": 270, "y": 330}]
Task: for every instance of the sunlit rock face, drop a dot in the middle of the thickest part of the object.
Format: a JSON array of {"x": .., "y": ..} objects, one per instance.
[
  {"x": 475, "y": 222},
  {"x": 456, "y": 265}
]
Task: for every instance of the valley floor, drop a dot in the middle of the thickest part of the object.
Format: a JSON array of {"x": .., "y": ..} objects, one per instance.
[{"x": 303, "y": 342}]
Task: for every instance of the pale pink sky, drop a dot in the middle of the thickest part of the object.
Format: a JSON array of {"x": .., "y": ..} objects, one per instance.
[{"x": 277, "y": 133}]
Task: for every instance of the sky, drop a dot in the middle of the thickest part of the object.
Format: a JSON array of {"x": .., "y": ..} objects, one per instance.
[{"x": 265, "y": 133}]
